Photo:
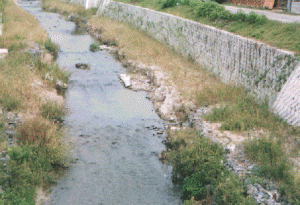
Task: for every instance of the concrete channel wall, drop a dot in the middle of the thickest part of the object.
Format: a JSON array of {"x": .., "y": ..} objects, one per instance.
[{"x": 265, "y": 71}]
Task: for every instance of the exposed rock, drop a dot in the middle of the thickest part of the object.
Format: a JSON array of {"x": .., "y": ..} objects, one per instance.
[
  {"x": 230, "y": 148},
  {"x": 48, "y": 77},
  {"x": 72, "y": 17},
  {"x": 3, "y": 52},
  {"x": 61, "y": 84},
  {"x": 9, "y": 133},
  {"x": 126, "y": 80},
  {"x": 33, "y": 49},
  {"x": 82, "y": 66}
]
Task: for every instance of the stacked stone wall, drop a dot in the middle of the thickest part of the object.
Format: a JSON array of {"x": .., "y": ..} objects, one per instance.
[{"x": 260, "y": 68}]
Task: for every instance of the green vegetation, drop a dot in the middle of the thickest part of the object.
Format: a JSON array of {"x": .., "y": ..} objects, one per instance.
[
  {"x": 53, "y": 111},
  {"x": 251, "y": 25},
  {"x": 51, "y": 47},
  {"x": 32, "y": 163},
  {"x": 40, "y": 155},
  {"x": 198, "y": 165},
  {"x": 94, "y": 47},
  {"x": 245, "y": 114},
  {"x": 274, "y": 163}
]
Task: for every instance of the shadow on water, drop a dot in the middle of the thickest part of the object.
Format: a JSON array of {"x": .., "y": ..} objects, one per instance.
[{"x": 114, "y": 150}]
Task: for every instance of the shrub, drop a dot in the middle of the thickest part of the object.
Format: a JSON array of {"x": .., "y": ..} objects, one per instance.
[
  {"x": 197, "y": 165},
  {"x": 239, "y": 16},
  {"x": 253, "y": 18},
  {"x": 168, "y": 3},
  {"x": 29, "y": 167}
]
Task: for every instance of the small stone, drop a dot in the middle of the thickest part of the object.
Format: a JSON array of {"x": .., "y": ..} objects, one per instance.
[
  {"x": 230, "y": 148},
  {"x": 9, "y": 133},
  {"x": 48, "y": 77},
  {"x": 61, "y": 84},
  {"x": 126, "y": 80},
  {"x": 103, "y": 47},
  {"x": 82, "y": 66},
  {"x": 3, "y": 154},
  {"x": 3, "y": 53}
]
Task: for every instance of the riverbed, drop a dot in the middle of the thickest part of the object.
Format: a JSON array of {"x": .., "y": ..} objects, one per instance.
[{"x": 112, "y": 131}]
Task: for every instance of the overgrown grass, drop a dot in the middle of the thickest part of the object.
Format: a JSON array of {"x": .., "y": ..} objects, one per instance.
[
  {"x": 274, "y": 163},
  {"x": 245, "y": 114},
  {"x": 53, "y": 111},
  {"x": 16, "y": 18},
  {"x": 281, "y": 35},
  {"x": 38, "y": 158},
  {"x": 198, "y": 164},
  {"x": 33, "y": 162}
]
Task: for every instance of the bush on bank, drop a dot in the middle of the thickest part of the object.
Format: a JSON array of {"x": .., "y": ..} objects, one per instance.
[
  {"x": 198, "y": 165},
  {"x": 214, "y": 11}
]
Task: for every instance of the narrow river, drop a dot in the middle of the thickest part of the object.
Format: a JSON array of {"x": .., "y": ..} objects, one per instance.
[{"x": 114, "y": 145}]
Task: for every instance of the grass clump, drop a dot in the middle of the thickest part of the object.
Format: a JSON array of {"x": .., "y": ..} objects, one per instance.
[
  {"x": 94, "y": 47},
  {"x": 274, "y": 162},
  {"x": 53, "y": 111},
  {"x": 51, "y": 47},
  {"x": 270, "y": 154},
  {"x": 33, "y": 162},
  {"x": 51, "y": 72},
  {"x": 198, "y": 165}
]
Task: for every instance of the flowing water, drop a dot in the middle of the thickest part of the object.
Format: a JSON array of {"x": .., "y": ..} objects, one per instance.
[{"x": 115, "y": 146}]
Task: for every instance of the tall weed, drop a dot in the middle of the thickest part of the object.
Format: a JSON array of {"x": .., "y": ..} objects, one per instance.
[
  {"x": 53, "y": 111},
  {"x": 274, "y": 163},
  {"x": 198, "y": 166}
]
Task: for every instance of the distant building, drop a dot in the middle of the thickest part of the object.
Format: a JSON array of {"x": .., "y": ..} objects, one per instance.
[{"x": 269, "y": 4}]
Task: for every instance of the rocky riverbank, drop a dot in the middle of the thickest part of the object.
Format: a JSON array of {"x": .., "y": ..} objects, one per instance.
[{"x": 171, "y": 107}]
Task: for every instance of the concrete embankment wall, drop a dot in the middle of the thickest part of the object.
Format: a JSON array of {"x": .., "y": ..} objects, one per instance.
[{"x": 261, "y": 69}]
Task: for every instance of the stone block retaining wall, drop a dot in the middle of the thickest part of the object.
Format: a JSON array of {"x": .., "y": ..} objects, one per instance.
[{"x": 260, "y": 68}]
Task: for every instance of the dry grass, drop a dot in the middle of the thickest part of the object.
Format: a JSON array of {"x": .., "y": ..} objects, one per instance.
[
  {"x": 63, "y": 6},
  {"x": 20, "y": 27},
  {"x": 67, "y": 8},
  {"x": 189, "y": 77},
  {"x": 23, "y": 90}
]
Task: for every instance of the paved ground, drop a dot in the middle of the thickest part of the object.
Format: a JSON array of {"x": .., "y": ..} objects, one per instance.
[
  {"x": 271, "y": 14},
  {"x": 296, "y": 7}
]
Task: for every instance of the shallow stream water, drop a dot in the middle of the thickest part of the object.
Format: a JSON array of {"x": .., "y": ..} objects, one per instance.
[{"x": 111, "y": 129}]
